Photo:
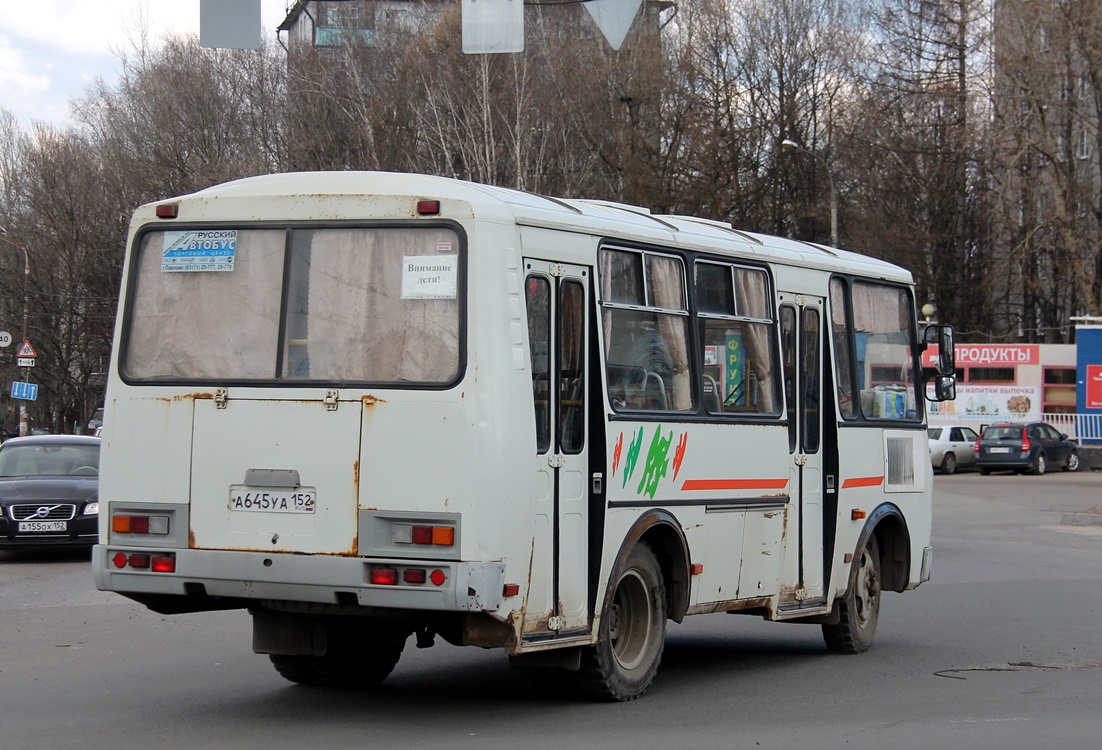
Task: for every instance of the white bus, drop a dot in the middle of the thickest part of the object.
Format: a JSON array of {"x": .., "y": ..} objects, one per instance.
[{"x": 364, "y": 406}]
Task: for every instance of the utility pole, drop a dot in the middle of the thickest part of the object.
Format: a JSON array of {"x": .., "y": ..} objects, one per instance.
[
  {"x": 786, "y": 143},
  {"x": 24, "y": 427}
]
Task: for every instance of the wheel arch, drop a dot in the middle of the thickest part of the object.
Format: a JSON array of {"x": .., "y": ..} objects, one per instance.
[
  {"x": 663, "y": 534},
  {"x": 893, "y": 539}
]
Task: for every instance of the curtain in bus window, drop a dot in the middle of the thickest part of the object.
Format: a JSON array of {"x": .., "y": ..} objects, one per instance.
[
  {"x": 882, "y": 336},
  {"x": 207, "y": 324},
  {"x": 752, "y": 297},
  {"x": 355, "y": 310},
  {"x": 668, "y": 286},
  {"x": 843, "y": 364}
]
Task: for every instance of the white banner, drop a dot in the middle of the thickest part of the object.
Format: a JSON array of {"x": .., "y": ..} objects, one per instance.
[{"x": 997, "y": 402}]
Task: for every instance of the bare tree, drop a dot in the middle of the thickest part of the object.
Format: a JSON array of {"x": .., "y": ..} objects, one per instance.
[{"x": 1049, "y": 157}]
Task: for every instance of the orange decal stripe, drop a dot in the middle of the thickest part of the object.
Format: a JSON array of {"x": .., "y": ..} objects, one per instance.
[
  {"x": 734, "y": 484},
  {"x": 863, "y": 482}
]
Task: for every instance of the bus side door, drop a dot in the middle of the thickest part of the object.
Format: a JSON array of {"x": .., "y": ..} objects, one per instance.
[
  {"x": 802, "y": 351},
  {"x": 558, "y": 313}
]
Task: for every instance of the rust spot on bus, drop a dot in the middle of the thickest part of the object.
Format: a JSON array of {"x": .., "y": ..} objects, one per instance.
[
  {"x": 186, "y": 397},
  {"x": 370, "y": 400},
  {"x": 191, "y": 539}
]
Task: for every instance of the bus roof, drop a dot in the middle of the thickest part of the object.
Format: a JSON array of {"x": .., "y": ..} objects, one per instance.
[{"x": 354, "y": 195}]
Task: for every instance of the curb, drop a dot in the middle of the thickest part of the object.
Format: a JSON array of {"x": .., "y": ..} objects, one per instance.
[{"x": 1081, "y": 519}]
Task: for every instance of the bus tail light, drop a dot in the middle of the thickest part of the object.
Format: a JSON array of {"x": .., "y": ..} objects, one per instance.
[
  {"x": 384, "y": 576},
  {"x": 164, "y": 564},
  {"x": 132, "y": 524},
  {"x": 141, "y": 561},
  {"x": 440, "y": 536},
  {"x": 414, "y": 575}
]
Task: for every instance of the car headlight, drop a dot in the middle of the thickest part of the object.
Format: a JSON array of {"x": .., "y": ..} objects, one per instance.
[{"x": 91, "y": 509}]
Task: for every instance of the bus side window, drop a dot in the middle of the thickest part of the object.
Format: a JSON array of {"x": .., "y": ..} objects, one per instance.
[
  {"x": 736, "y": 323},
  {"x": 645, "y": 319},
  {"x": 539, "y": 340}
]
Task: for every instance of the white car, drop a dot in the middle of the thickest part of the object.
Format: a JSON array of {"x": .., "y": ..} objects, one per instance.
[{"x": 952, "y": 446}]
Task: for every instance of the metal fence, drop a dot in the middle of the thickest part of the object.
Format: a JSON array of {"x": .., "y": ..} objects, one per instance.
[{"x": 1082, "y": 428}]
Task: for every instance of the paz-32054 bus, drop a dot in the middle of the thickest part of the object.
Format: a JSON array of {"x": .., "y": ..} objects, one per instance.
[{"x": 369, "y": 406}]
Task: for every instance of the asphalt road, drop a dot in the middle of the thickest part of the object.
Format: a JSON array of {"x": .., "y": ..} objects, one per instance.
[{"x": 1001, "y": 649}]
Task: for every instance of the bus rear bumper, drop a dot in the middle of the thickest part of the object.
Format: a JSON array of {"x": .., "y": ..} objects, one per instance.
[{"x": 320, "y": 579}]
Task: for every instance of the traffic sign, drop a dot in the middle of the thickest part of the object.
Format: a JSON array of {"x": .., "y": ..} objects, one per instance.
[
  {"x": 26, "y": 350},
  {"x": 614, "y": 18},
  {"x": 27, "y": 391},
  {"x": 5, "y": 339},
  {"x": 24, "y": 361}
]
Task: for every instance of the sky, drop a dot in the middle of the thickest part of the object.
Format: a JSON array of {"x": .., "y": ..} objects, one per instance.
[{"x": 52, "y": 50}]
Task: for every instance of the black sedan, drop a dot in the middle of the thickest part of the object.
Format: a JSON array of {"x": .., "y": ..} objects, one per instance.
[
  {"x": 1034, "y": 447},
  {"x": 49, "y": 491}
]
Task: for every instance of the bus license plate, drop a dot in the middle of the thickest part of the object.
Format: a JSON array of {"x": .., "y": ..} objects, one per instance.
[
  {"x": 41, "y": 526},
  {"x": 273, "y": 499}
]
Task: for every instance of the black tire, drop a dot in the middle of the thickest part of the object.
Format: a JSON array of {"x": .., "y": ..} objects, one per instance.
[
  {"x": 949, "y": 464},
  {"x": 1039, "y": 464},
  {"x": 353, "y": 658},
  {"x": 860, "y": 609},
  {"x": 631, "y": 635},
  {"x": 1073, "y": 462},
  {"x": 984, "y": 470}
]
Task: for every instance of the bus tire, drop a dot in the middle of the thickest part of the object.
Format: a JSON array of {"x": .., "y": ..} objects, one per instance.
[
  {"x": 632, "y": 633},
  {"x": 345, "y": 664},
  {"x": 859, "y": 611}
]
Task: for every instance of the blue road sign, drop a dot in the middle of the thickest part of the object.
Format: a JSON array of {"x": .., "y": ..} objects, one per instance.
[{"x": 26, "y": 391}]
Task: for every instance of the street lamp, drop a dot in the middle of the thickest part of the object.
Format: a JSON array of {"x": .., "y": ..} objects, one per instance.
[
  {"x": 786, "y": 143},
  {"x": 23, "y": 426}
]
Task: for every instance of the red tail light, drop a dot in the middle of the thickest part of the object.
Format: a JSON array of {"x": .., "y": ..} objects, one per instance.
[
  {"x": 164, "y": 564},
  {"x": 384, "y": 576},
  {"x": 1026, "y": 445}
]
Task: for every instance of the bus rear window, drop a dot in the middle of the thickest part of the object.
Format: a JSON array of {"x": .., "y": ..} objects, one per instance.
[{"x": 366, "y": 305}]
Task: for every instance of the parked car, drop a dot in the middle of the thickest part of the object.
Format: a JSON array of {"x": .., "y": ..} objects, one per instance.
[
  {"x": 952, "y": 446},
  {"x": 1034, "y": 447},
  {"x": 49, "y": 491}
]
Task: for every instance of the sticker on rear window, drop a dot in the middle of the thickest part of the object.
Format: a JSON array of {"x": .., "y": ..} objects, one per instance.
[
  {"x": 430, "y": 276},
  {"x": 199, "y": 250}
]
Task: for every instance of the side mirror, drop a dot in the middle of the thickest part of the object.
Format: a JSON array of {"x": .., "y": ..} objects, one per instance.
[
  {"x": 944, "y": 372},
  {"x": 946, "y": 349},
  {"x": 945, "y": 388}
]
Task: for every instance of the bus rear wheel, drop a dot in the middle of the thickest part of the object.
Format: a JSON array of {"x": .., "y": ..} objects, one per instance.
[
  {"x": 859, "y": 611},
  {"x": 632, "y": 632},
  {"x": 350, "y": 660}
]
